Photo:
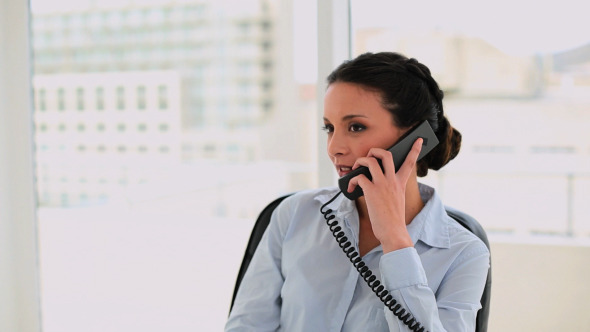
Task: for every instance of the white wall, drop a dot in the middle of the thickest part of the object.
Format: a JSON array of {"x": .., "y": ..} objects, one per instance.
[{"x": 539, "y": 287}]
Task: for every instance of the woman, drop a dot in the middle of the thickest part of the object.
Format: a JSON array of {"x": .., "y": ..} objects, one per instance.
[{"x": 300, "y": 279}]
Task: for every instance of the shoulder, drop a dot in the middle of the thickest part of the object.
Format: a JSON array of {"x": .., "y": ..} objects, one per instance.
[
  {"x": 467, "y": 245},
  {"x": 439, "y": 228},
  {"x": 462, "y": 233}
]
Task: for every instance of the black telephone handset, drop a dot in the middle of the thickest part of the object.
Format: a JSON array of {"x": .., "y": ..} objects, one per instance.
[{"x": 399, "y": 151}]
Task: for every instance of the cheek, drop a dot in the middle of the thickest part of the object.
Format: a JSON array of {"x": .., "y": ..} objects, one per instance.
[
  {"x": 387, "y": 141},
  {"x": 384, "y": 142},
  {"x": 362, "y": 150}
]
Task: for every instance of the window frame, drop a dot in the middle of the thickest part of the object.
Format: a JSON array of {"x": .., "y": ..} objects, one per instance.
[
  {"x": 20, "y": 305},
  {"x": 334, "y": 47}
]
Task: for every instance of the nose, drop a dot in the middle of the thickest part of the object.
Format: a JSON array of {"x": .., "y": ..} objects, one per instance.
[{"x": 337, "y": 145}]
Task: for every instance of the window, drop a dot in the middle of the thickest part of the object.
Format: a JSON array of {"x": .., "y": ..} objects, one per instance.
[
  {"x": 120, "y": 98},
  {"x": 61, "y": 99},
  {"x": 162, "y": 97},
  {"x": 141, "y": 97},
  {"x": 42, "y": 99},
  {"x": 100, "y": 98},
  {"x": 496, "y": 81},
  {"x": 208, "y": 81},
  {"x": 80, "y": 99}
]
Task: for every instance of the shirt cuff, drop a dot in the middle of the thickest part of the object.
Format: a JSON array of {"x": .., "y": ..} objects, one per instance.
[{"x": 402, "y": 268}]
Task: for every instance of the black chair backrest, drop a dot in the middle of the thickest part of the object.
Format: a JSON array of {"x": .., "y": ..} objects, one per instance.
[
  {"x": 255, "y": 236},
  {"x": 462, "y": 218}
]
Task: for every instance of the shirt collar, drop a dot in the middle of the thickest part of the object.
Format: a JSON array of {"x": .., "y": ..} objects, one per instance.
[
  {"x": 340, "y": 205},
  {"x": 344, "y": 210},
  {"x": 431, "y": 224}
]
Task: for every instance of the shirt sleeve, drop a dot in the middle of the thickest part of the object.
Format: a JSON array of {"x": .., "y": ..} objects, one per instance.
[
  {"x": 257, "y": 305},
  {"x": 458, "y": 297}
]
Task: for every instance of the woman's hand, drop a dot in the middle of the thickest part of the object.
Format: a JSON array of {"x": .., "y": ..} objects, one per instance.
[{"x": 385, "y": 195}]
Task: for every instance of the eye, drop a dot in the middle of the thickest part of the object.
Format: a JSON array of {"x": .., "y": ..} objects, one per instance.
[
  {"x": 356, "y": 127},
  {"x": 328, "y": 128}
]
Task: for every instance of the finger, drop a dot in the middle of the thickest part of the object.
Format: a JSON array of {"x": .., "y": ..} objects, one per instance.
[
  {"x": 373, "y": 165},
  {"x": 406, "y": 168},
  {"x": 359, "y": 180},
  {"x": 386, "y": 159}
]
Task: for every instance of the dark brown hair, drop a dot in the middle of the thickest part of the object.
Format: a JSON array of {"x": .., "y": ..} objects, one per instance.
[{"x": 409, "y": 93}]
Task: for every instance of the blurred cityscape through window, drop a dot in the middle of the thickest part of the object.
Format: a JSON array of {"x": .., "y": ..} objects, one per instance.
[
  {"x": 518, "y": 93},
  {"x": 157, "y": 120},
  {"x": 204, "y": 72}
]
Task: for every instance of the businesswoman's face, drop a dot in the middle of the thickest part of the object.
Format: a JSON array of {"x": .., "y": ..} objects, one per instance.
[{"x": 355, "y": 122}]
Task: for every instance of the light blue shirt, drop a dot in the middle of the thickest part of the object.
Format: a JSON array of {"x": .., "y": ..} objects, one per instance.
[{"x": 300, "y": 280}]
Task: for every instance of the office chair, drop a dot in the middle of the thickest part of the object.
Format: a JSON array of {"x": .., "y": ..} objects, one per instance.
[{"x": 462, "y": 218}]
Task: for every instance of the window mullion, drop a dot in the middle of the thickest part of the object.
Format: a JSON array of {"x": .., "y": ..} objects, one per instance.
[{"x": 333, "y": 48}]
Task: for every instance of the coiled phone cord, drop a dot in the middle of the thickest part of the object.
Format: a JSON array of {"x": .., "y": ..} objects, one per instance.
[{"x": 365, "y": 272}]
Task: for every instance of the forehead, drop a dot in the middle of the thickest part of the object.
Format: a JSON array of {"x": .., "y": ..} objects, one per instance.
[{"x": 343, "y": 99}]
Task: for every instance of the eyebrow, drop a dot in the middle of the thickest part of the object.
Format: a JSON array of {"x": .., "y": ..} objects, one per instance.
[{"x": 348, "y": 117}]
